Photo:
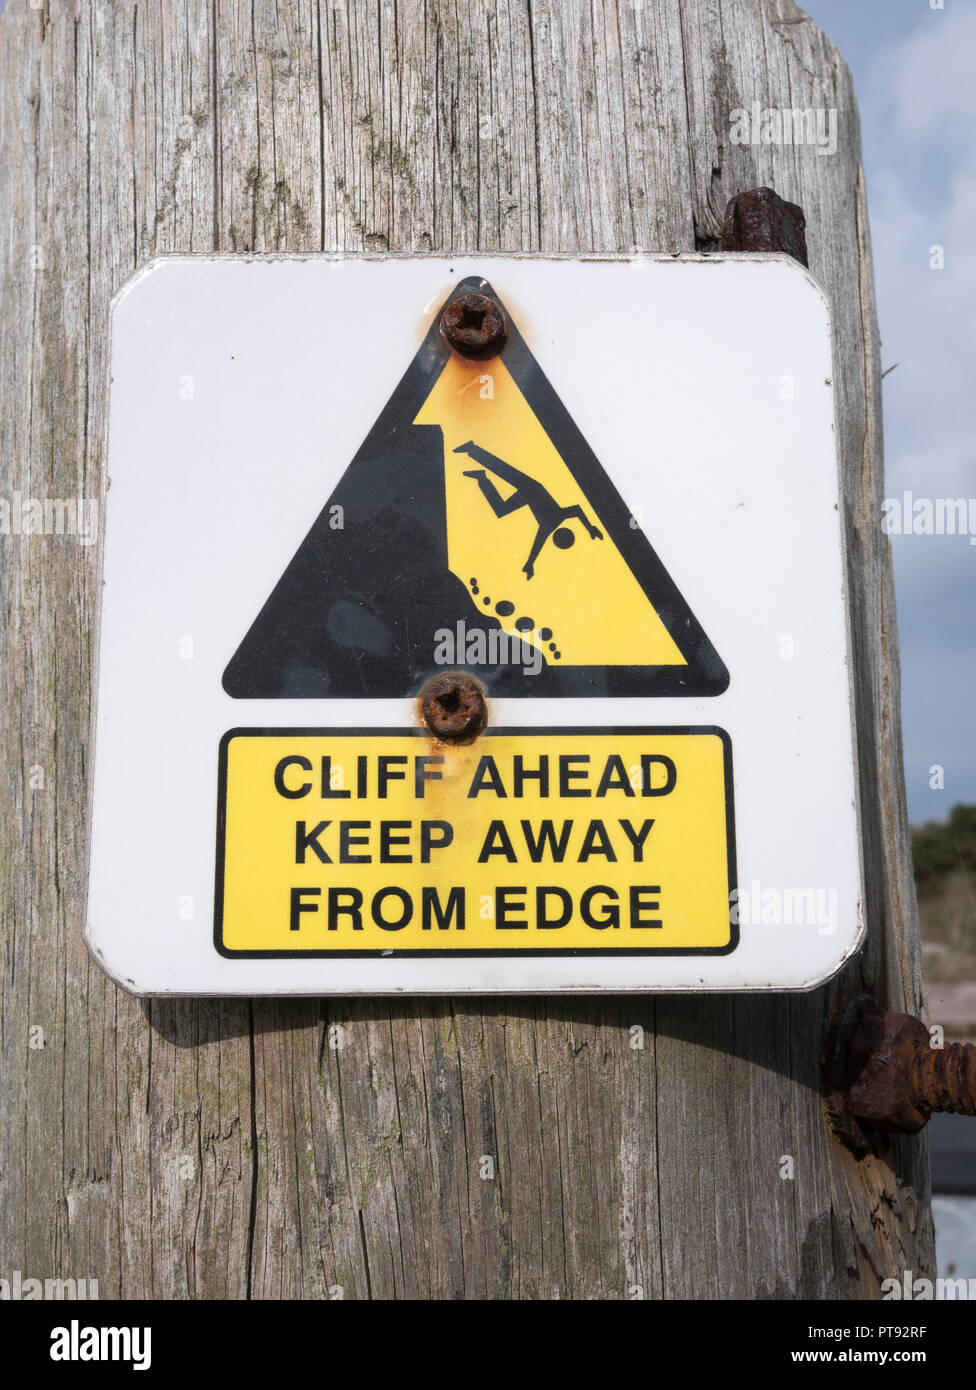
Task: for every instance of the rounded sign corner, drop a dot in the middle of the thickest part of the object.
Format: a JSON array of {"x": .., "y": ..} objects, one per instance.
[{"x": 114, "y": 973}]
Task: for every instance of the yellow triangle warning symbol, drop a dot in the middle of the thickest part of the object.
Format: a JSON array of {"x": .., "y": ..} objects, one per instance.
[
  {"x": 525, "y": 538},
  {"x": 476, "y": 527}
]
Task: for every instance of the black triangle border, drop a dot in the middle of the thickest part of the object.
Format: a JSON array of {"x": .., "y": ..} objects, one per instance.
[{"x": 705, "y": 674}]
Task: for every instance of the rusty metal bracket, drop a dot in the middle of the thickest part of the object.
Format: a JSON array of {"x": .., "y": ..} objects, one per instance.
[
  {"x": 760, "y": 220},
  {"x": 881, "y": 1072}
]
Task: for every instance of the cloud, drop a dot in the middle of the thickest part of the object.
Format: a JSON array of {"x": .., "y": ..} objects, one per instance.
[
  {"x": 918, "y": 100},
  {"x": 923, "y": 198},
  {"x": 929, "y": 75},
  {"x": 927, "y": 108}
]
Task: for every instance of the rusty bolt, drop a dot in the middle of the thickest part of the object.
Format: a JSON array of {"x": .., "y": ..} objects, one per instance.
[
  {"x": 474, "y": 326},
  {"x": 453, "y": 708},
  {"x": 760, "y": 220},
  {"x": 881, "y": 1072}
]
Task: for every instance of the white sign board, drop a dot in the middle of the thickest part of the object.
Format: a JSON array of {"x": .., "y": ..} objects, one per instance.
[{"x": 625, "y": 525}]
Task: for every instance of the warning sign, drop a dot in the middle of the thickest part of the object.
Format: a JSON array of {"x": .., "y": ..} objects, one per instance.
[
  {"x": 366, "y": 842},
  {"x": 475, "y": 528},
  {"x": 491, "y": 568}
]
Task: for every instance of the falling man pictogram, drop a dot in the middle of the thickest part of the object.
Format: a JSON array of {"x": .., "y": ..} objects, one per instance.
[{"x": 529, "y": 493}]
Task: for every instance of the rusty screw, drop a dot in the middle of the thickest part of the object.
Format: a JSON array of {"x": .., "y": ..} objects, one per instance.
[
  {"x": 760, "y": 220},
  {"x": 881, "y": 1072},
  {"x": 453, "y": 708},
  {"x": 474, "y": 326}
]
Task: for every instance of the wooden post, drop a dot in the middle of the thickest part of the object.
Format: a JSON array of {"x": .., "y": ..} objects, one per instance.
[{"x": 276, "y": 1149}]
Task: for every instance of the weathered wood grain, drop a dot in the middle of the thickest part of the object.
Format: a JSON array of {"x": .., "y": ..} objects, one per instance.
[{"x": 278, "y": 1150}]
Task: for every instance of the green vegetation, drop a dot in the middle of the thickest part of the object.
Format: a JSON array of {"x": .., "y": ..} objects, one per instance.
[{"x": 944, "y": 859}]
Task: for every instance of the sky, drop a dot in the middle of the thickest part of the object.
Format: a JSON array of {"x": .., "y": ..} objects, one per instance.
[
  {"x": 912, "y": 63},
  {"x": 912, "y": 68}
]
